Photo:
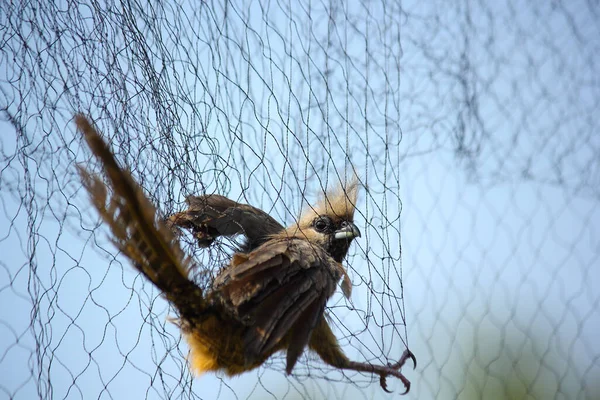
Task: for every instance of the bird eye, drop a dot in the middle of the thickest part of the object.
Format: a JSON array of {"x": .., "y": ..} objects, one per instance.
[{"x": 321, "y": 224}]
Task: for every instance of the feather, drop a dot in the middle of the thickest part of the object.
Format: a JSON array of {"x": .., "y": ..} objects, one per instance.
[
  {"x": 302, "y": 332},
  {"x": 273, "y": 287},
  {"x": 339, "y": 204},
  {"x": 136, "y": 230},
  {"x": 211, "y": 216}
]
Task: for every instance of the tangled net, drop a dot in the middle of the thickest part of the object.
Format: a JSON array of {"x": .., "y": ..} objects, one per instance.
[{"x": 472, "y": 126}]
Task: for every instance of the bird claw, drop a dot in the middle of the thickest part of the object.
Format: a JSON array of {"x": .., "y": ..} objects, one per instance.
[
  {"x": 408, "y": 354},
  {"x": 397, "y": 374},
  {"x": 383, "y": 383},
  {"x": 394, "y": 369},
  {"x": 405, "y": 356}
]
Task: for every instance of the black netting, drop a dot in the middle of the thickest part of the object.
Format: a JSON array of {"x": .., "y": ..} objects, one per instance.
[{"x": 472, "y": 127}]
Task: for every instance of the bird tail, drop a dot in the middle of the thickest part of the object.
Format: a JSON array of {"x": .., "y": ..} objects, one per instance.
[{"x": 135, "y": 227}]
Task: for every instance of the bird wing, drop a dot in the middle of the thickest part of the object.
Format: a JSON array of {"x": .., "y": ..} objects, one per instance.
[
  {"x": 213, "y": 215},
  {"x": 135, "y": 228},
  {"x": 278, "y": 289}
]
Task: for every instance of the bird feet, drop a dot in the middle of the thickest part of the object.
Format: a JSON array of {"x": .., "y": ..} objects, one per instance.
[
  {"x": 394, "y": 370},
  {"x": 385, "y": 370}
]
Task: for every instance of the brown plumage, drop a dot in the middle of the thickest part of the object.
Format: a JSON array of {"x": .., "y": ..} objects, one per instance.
[{"x": 272, "y": 294}]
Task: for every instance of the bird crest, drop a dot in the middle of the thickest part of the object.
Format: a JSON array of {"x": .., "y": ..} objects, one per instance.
[{"x": 338, "y": 203}]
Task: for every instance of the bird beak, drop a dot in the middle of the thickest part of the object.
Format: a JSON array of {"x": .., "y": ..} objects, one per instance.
[{"x": 349, "y": 231}]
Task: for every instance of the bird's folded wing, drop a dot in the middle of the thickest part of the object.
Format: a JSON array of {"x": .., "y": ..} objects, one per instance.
[
  {"x": 213, "y": 215},
  {"x": 281, "y": 287}
]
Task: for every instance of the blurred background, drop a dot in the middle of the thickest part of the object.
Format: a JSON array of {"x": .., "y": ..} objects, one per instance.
[{"x": 472, "y": 126}]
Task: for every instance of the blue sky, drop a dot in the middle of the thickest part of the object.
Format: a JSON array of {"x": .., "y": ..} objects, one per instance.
[{"x": 498, "y": 249}]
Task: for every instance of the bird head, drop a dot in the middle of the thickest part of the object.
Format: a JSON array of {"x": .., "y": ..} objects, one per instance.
[{"x": 330, "y": 222}]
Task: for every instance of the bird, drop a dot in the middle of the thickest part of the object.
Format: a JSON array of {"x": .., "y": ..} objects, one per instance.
[{"x": 270, "y": 297}]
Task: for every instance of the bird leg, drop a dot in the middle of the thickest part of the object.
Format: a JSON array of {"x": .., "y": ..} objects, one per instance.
[
  {"x": 385, "y": 370},
  {"x": 324, "y": 343}
]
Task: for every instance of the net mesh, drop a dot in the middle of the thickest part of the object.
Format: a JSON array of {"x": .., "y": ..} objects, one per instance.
[{"x": 471, "y": 126}]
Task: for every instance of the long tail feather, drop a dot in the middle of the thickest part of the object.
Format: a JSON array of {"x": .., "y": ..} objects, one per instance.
[{"x": 136, "y": 229}]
